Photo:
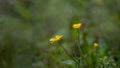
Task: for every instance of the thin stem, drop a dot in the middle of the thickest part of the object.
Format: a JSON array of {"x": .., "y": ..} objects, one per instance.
[
  {"x": 67, "y": 52},
  {"x": 76, "y": 65},
  {"x": 78, "y": 40},
  {"x": 78, "y": 34}
]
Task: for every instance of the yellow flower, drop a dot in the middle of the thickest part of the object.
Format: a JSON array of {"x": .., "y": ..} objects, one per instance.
[
  {"x": 95, "y": 45},
  {"x": 52, "y": 40},
  {"x": 77, "y": 25},
  {"x": 56, "y": 38}
]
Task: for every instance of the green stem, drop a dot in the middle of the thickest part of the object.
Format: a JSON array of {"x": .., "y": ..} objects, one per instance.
[
  {"x": 76, "y": 66},
  {"x": 67, "y": 52},
  {"x": 78, "y": 38}
]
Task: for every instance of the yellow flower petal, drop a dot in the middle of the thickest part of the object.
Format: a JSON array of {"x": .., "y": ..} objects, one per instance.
[
  {"x": 58, "y": 37},
  {"x": 77, "y": 25},
  {"x": 52, "y": 40},
  {"x": 95, "y": 45}
]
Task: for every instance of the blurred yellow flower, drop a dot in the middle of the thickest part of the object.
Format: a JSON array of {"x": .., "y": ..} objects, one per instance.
[
  {"x": 52, "y": 40},
  {"x": 76, "y": 26},
  {"x": 95, "y": 45},
  {"x": 56, "y": 38}
]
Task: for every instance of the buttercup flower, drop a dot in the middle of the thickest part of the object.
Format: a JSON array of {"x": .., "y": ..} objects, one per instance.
[
  {"x": 56, "y": 38},
  {"x": 52, "y": 40},
  {"x": 76, "y": 26},
  {"x": 95, "y": 45}
]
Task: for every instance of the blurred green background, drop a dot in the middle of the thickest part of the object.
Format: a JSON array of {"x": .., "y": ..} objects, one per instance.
[{"x": 27, "y": 25}]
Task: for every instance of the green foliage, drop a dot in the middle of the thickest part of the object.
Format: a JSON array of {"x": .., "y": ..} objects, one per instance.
[{"x": 26, "y": 26}]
